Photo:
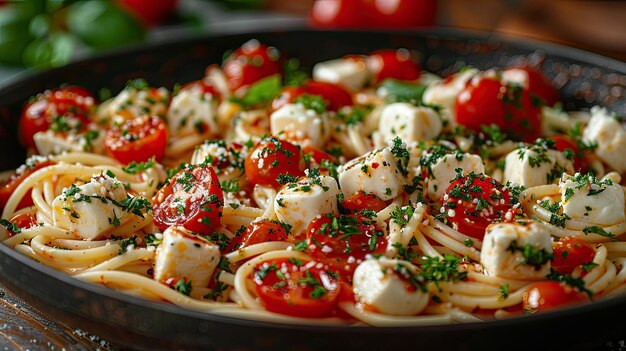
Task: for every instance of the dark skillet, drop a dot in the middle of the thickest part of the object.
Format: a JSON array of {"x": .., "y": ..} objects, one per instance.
[{"x": 586, "y": 79}]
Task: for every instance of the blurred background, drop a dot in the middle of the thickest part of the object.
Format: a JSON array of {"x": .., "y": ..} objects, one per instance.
[{"x": 37, "y": 34}]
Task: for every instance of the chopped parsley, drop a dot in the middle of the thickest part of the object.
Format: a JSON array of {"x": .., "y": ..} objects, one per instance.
[
  {"x": 183, "y": 286},
  {"x": 531, "y": 254},
  {"x": 132, "y": 241},
  {"x": 134, "y": 167}
]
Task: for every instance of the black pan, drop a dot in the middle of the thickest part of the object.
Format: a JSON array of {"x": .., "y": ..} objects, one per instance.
[{"x": 585, "y": 79}]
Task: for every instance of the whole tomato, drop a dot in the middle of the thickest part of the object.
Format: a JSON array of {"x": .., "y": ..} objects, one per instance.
[{"x": 152, "y": 12}]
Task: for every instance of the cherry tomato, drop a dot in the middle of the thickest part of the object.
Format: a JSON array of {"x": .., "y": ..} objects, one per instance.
[
  {"x": 343, "y": 241},
  {"x": 547, "y": 295},
  {"x": 23, "y": 221},
  {"x": 493, "y": 203},
  {"x": 270, "y": 158},
  {"x": 260, "y": 232},
  {"x": 70, "y": 102},
  {"x": 294, "y": 287},
  {"x": 317, "y": 155},
  {"x": 372, "y": 13},
  {"x": 486, "y": 100},
  {"x": 8, "y": 187},
  {"x": 396, "y": 64},
  {"x": 150, "y": 12},
  {"x": 540, "y": 86},
  {"x": 333, "y": 94},
  {"x": 404, "y": 13},
  {"x": 138, "y": 140},
  {"x": 569, "y": 253},
  {"x": 580, "y": 160},
  {"x": 250, "y": 63},
  {"x": 193, "y": 198},
  {"x": 362, "y": 201},
  {"x": 339, "y": 13}
]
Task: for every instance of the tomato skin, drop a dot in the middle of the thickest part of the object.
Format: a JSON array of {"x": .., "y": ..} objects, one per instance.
[
  {"x": 580, "y": 161},
  {"x": 372, "y": 13},
  {"x": 362, "y": 201},
  {"x": 23, "y": 221},
  {"x": 260, "y": 232},
  {"x": 250, "y": 63},
  {"x": 8, "y": 187},
  {"x": 317, "y": 155},
  {"x": 540, "y": 86},
  {"x": 396, "y": 64},
  {"x": 137, "y": 140},
  {"x": 290, "y": 295},
  {"x": 338, "y": 13},
  {"x": 548, "y": 295},
  {"x": 193, "y": 198},
  {"x": 37, "y": 115},
  {"x": 270, "y": 158},
  {"x": 404, "y": 13},
  {"x": 334, "y": 95},
  {"x": 150, "y": 13},
  {"x": 467, "y": 218},
  {"x": 343, "y": 241},
  {"x": 569, "y": 253},
  {"x": 287, "y": 95},
  {"x": 486, "y": 100}
]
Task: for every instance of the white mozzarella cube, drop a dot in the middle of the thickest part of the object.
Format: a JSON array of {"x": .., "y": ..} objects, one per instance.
[
  {"x": 444, "y": 92},
  {"x": 298, "y": 203},
  {"x": 377, "y": 285},
  {"x": 586, "y": 199},
  {"x": 191, "y": 111},
  {"x": 373, "y": 173},
  {"x": 351, "y": 73},
  {"x": 610, "y": 136},
  {"x": 444, "y": 171},
  {"x": 51, "y": 143},
  {"x": 409, "y": 122},
  {"x": 184, "y": 255},
  {"x": 533, "y": 166},
  {"x": 226, "y": 159},
  {"x": 503, "y": 246},
  {"x": 87, "y": 210},
  {"x": 298, "y": 123}
]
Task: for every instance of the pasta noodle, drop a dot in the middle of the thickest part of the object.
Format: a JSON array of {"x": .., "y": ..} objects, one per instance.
[{"x": 364, "y": 200}]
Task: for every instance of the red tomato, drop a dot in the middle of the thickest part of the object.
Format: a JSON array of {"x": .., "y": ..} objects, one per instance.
[
  {"x": 581, "y": 162},
  {"x": 546, "y": 295},
  {"x": 473, "y": 218},
  {"x": 150, "y": 12},
  {"x": 293, "y": 287},
  {"x": 404, "y": 13},
  {"x": 334, "y": 94},
  {"x": 250, "y": 63},
  {"x": 540, "y": 86},
  {"x": 23, "y": 221},
  {"x": 8, "y": 187},
  {"x": 193, "y": 198},
  {"x": 486, "y": 100},
  {"x": 339, "y": 13},
  {"x": 372, "y": 13},
  {"x": 362, "y": 201},
  {"x": 396, "y": 64},
  {"x": 260, "y": 232},
  {"x": 343, "y": 241},
  {"x": 138, "y": 140},
  {"x": 37, "y": 115},
  {"x": 270, "y": 158},
  {"x": 569, "y": 253}
]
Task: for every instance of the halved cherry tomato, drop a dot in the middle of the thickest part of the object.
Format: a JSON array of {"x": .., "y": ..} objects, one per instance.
[
  {"x": 540, "y": 86},
  {"x": 317, "y": 156},
  {"x": 580, "y": 160},
  {"x": 343, "y": 241},
  {"x": 396, "y": 64},
  {"x": 486, "y": 100},
  {"x": 362, "y": 201},
  {"x": 23, "y": 221},
  {"x": 193, "y": 198},
  {"x": 250, "y": 63},
  {"x": 8, "y": 187},
  {"x": 258, "y": 232},
  {"x": 334, "y": 94},
  {"x": 70, "y": 102},
  {"x": 569, "y": 253},
  {"x": 137, "y": 140},
  {"x": 493, "y": 203},
  {"x": 295, "y": 287},
  {"x": 270, "y": 158},
  {"x": 287, "y": 95},
  {"x": 547, "y": 295}
]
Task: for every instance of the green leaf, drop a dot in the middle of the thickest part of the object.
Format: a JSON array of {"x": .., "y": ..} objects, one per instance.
[
  {"x": 52, "y": 51},
  {"x": 14, "y": 32},
  {"x": 397, "y": 91},
  {"x": 102, "y": 25},
  {"x": 261, "y": 92}
]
